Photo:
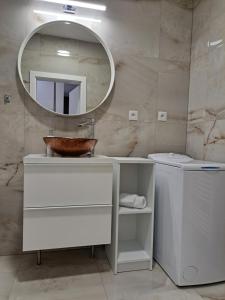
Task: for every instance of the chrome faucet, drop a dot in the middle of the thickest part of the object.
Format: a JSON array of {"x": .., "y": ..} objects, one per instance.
[
  {"x": 88, "y": 122},
  {"x": 49, "y": 151}
]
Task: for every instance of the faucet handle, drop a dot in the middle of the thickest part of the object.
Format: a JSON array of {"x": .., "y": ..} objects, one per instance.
[
  {"x": 92, "y": 121},
  {"x": 86, "y": 122},
  {"x": 51, "y": 132}
]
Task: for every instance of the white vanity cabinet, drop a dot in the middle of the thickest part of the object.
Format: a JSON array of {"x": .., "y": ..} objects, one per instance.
[{"x": 67, "y": 202}]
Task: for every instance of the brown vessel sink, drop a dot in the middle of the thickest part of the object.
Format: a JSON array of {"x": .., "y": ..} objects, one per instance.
[{"x": 66, "y": 146}]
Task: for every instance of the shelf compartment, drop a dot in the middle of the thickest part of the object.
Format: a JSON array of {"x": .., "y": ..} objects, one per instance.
[
  {"x": 131, "y": 251},
  {"x": 134, "y": 242},
  {"x": 132, "y": 256},
  {"x": 130, "y": 211},
  {"x": 137, "y": 179}
]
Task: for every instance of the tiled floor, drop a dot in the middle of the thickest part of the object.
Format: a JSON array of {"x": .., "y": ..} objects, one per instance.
[{"x": 74, "y": 275}]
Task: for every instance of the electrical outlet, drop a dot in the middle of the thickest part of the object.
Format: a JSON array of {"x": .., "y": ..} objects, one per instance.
[
  {"x": 133, "y": 115},
  {"x": 7, "y": 99},
  {"x": 162, "y": 116}
]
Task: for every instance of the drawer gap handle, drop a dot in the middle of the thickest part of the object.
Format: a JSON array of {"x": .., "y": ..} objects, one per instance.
[{"x": 66, "y": 207}]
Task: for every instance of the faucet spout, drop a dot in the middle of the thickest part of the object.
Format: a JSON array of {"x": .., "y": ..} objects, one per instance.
[{"x": 88, "y": 122}]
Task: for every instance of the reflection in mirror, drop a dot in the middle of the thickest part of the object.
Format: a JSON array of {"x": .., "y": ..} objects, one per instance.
[
  {"x": 59, "y": 93},
  {"x": 66, "y": 69}
]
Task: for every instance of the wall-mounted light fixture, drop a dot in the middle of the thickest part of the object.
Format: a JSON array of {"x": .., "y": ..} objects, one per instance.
[
  {"x": 63, "y": 53},
  {"x": 69, "y": 9},
  {"x": 66, "y": 17},
  {"x": 218, "y": 43},
  {"x": 78, "y": 4}
]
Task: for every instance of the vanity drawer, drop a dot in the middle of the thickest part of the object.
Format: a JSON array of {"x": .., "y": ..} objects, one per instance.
[
  {"x": 58, "y": 227},
  {"x": 67, "y": 185}
]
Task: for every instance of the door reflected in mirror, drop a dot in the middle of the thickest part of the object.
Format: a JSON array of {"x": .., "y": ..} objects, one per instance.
[
  {"x": 66, "y": 68},
  {"x": 63, "y": 98},
  {"x": 59, "y": 93}
]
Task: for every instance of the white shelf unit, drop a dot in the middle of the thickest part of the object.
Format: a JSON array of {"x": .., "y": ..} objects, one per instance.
[
  {"x": 132, "y": 229},
  {"x": 128, "y": 211}
]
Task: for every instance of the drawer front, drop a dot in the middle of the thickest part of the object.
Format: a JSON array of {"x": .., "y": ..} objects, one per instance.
[
  {"x": 66, "y": 227},
  {"x": 67, "y": 185}
]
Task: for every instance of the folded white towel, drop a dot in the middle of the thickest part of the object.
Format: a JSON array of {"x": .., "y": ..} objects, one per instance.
[{"x": 132, "y": 201}]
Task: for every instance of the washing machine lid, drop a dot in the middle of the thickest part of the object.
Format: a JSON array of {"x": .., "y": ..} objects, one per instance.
[
  {"x": 170, "y": 158},
  {"x": 185, "y": 162}
]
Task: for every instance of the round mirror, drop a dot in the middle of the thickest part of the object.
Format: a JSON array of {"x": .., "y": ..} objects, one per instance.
[{"x": 66, "y": 68}]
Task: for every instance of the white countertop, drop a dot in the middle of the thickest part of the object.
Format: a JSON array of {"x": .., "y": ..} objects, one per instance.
[
  {"x": 133, "y": 160},
  {"x": 43, "y": 159},
  {"x": 101, "y": 159}
]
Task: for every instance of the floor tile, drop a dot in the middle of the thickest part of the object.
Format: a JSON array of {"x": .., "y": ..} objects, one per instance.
[
  {"x": 173, "y": 295},
  {"x": 135, "y": 285},
  {"x": 6, "y": 283},
  {"x": 10, "y": 263},
  {"x": 212, "y": 291},
  {"x": 75, "y": 275},
  {"x": 62, "y": 275}
]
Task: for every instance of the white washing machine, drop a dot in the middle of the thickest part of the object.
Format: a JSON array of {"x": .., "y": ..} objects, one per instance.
[{"x": 190, "y": 219}]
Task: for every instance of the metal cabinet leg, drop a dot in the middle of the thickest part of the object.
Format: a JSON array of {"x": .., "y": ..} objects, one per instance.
[
  {"x": 92, "y": 251},
  {"x": 39, "y": 257}
]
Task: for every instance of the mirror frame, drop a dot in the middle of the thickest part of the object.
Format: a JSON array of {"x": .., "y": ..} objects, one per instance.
[{"x": 108, "y": 52}]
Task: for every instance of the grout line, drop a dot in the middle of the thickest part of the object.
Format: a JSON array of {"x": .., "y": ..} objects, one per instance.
[
  {"x": 190, "y": 63},
  {"x": 100, "y": 274}
]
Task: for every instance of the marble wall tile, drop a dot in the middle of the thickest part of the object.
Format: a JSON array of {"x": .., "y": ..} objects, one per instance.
[
  {"x": 10, "y": 221},
  {"x": 11, "y": 154},
  {"x": 201, "y": 13},
  {"x": 217, "y": 8},
  {"x": 150, "y": 43},
  {"x": 188, "y": 4},
  {"x": 9, "y": 82},
  {"x": 207, "y": 76},
  {"x": 195, "y": 3},
  {"x": 195, "y": 139},
  {"x": 13, "y": 13},
  {"x": 200, "y": 47},
  {"x": 216, "y": 90},
  {"x": 11, "y": 175},
  {"x": 123, "y": 138},
  {"x": 175, "y": 32},
  {"x": 170, "y": 136},
  {"x": 200, "y": 30},
  {"x": 173, "y": 92},
  {"x": 214, "y": 145},
  {"x": 12, "y": 137},
  {"x": 35, "y": 129},
  {"x": 136, "y": 88},
  {"x": 198, "y": 83},
  {"x": 132, "y": 27}
]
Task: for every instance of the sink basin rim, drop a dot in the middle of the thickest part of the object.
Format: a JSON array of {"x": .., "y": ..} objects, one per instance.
[{"x": 69, "y": 146}]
